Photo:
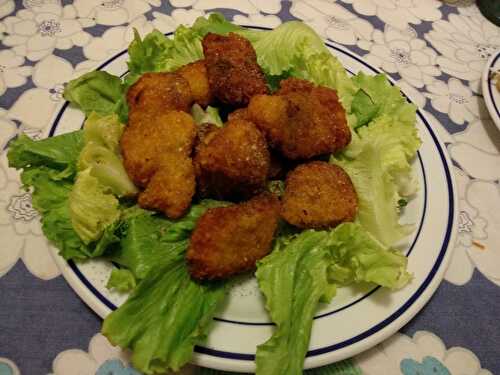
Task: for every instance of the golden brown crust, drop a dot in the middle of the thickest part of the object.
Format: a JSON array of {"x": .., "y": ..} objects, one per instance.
[
  {"x": 172, "y": 186},
  {"x": 233, "y": 163},
  {"x": 230, "y": 240},
  {"x": 196, "y": 75},
  {"x": 233, "y": 72},
  {"x": 143, "y": 143},
  {"x": 158, "y": 93},
  {"x": 303, "y": 121},
  {"x": 239, "y": 114},
  {"x": 318, "y": 195}
]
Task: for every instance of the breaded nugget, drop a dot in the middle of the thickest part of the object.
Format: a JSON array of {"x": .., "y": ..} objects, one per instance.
[
  {"x": 230, "y": 240},
  {"x": 158, "y": 93},
  {"x": 239, "y": 114},
  {"x": 294, "y": 85},
  {"x": 233, "y": 72},
  {"x": 153, "y": 136},
  {"x": 233, "y": 163},
  {"x": 196, "y": 75},
  {"x": 302, "y": 122},
  {"x": 172, "y": 186},
  {"x": 318, "y": 195}
]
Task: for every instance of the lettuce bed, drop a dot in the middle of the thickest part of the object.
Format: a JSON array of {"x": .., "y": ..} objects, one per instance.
[{"x": 84, "y": 195}]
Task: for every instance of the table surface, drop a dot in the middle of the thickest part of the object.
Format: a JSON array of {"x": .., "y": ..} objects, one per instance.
[{"x": 435, "y": 50}]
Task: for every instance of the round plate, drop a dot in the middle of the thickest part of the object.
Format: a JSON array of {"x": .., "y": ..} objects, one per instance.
[
  {"x": 490, "y": 92},
  {"x": 358, "y": 317}
]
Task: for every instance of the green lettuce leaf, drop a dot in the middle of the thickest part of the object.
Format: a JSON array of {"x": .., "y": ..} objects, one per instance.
[
  {"x": 210, "y": 115},
  {"x": 168, "y": 313},
  {"x": 386, "y": 98},
  {"x": 357, "y": 257},
  {"x": 122, "y": 280},
  {"x": 379, "y": 165},
  {"x": 92, "y": 207},
  {"x": 293, "y": 48},
  {"x": 96, "y": 91},
  {"x": 58, "y": 153},
  {"x": 49, "y": 166},
  {"x": 293, "y": 278},
  {"x": 101, "y": 154},
  {"x": 146, "y": 239},
  {"x": 158, "y": 53}
]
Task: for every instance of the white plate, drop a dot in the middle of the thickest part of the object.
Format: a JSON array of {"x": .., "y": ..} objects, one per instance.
[
  {"x": 358, "y": 318},
  {"x": 490, "y": 92}
]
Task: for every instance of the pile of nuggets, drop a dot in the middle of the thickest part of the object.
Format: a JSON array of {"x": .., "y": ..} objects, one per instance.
[{"x": 267, "y": 136}]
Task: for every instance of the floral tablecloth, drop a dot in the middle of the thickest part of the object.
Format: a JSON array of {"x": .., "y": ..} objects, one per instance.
[{"x": 435, "y": 50}]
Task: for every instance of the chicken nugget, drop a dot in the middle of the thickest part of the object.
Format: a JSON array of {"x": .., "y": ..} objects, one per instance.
[
  {"x": 318, "y": 195},
  {"x": 230, "y": 240},
  {"x": 152, "y": 136},
  {"x": 326, "y": 97},
  {"x": 234, "y": 163},
  {"x": 233, "y": 72},
  {"x": 196, "y": 75},
  {"x": 159, "y": 92},
  {"x": 292, "y": 84},
  {"x": 303, "y": 122},
  {"x": 239, "y": 114},
  {"x": 172, "y": 186}
]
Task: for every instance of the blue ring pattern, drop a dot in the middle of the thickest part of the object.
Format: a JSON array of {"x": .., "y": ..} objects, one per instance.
[{"x": 490, "y": 83}]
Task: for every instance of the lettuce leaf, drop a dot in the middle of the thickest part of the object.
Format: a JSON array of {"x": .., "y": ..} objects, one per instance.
[
  {"x": 303, "y": 270},
  {"x": 293, "y": 48},
  {"x": 357, "y": 257},
  {"x": 293, "y": 279},
  {"x": 101, "y": 154},
  {"x": 96, "y": 91},
  {"x": 168, "y": 313},
  {"x": 57, "y": 153},
  {"x": 49, "y": 168},
  {"x": 210, "y": 115},
  {"x": 146, "y": 238},
  {"x": 92, "y": 207},
  {"x": 379, "y": 165},
  {"x": 122, "y": 280}
]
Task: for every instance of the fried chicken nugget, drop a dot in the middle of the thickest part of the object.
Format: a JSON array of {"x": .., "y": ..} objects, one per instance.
[
  {"x": 328, "y": 98},
  {"x": 172, "y": 186},
  {"x": 318, "y": 195},
  {"x": 196, "y": 75},
  {"x": 159, "y": 92},
  {"x": 233, "y": 163},
  {"x": 302, "y": 122},
  {"x": 230, "y": 240},
  {"x": 152, "y": 136},
  {"x": 233, "y": 72}
]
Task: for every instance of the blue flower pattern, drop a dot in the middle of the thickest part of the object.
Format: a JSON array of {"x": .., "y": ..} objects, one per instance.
[
  {"x": 429, "y": 366},
  {"x": 112, "y": 367}
]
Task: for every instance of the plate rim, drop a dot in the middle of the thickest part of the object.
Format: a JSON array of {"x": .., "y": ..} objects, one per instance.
[
  {"x": 229, "y": 361},
  {"x": 486, "y": 86}
]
